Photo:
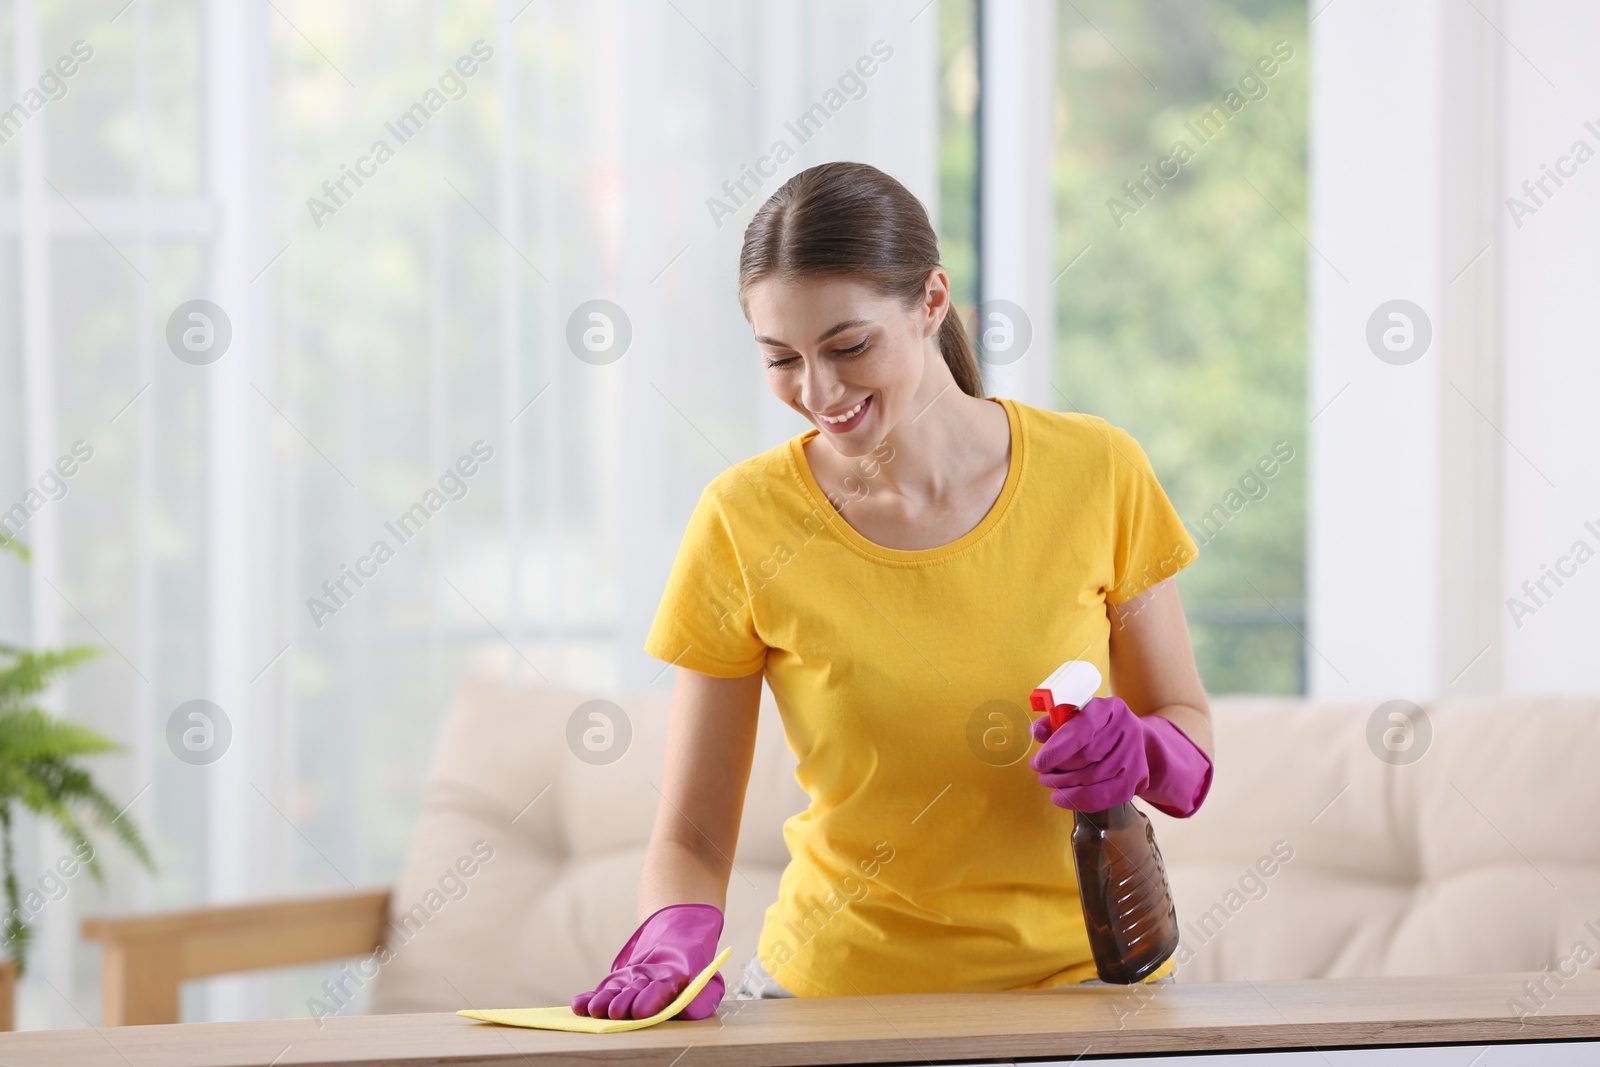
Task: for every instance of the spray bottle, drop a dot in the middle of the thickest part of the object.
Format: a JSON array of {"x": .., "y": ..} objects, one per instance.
[{"x": 1127, "y": 899}]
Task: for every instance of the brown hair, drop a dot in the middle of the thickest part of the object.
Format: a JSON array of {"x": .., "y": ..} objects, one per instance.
[{"x": 853, "y": 219}]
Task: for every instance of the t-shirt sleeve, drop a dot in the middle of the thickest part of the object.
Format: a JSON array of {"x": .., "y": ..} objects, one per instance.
[
  {"x": 705, "y": 620},
  {"x": 1149, "y": 541}
]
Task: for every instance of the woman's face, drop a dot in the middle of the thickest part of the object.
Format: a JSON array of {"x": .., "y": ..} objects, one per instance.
[{"x": 847, "y": 358}]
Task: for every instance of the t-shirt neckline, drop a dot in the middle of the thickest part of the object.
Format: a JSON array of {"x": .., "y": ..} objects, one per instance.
[{"x": 851, "y": 536}]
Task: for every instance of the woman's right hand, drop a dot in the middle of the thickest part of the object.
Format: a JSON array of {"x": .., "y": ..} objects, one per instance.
[{"x": 662, "y": 957}]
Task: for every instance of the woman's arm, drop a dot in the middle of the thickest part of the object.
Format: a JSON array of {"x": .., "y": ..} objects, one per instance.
[
  {"x": 1152, "y": 662},
  {"x": 711, "y": 740}
]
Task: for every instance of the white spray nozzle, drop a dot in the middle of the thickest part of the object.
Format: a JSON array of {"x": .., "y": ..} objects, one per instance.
[{"x": 1074, "y": 682}]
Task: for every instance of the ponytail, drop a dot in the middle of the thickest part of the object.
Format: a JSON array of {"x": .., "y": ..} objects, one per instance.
[{"x": 958, "y": 355}]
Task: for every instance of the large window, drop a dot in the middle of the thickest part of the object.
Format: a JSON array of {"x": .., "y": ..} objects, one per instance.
[
  {"x": 1181, "y": 183},
  {"x": 402, "y": 210}
]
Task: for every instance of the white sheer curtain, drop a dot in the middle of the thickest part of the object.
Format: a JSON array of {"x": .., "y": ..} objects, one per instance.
[{"x": 377, "y": 337}]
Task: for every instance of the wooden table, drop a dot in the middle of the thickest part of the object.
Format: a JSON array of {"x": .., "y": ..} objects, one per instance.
[{"x": 1409, "y": 1015}]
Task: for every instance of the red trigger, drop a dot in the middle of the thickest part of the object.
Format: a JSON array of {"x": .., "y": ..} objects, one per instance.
[{"x": 1043, "y": 700}]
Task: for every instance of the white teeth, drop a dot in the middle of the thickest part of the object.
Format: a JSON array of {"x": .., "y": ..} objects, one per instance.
[{"x": 846, "y": 417}]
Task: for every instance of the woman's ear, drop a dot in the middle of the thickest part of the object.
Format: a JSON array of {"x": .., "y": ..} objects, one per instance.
[{"x": 935, "y": 301}]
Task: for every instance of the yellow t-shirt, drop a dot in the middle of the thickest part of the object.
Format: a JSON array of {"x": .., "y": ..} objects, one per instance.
[{"x": 929, "y": 859}]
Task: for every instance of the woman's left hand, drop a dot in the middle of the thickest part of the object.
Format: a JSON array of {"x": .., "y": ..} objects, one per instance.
[{"x": 1104, "y": 755}]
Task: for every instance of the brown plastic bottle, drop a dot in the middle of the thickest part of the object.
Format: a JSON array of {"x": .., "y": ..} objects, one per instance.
[{"x": 1127, "y": 898}]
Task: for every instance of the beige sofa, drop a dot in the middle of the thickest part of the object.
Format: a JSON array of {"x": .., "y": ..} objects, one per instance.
[
  {"x": 1321, "y": 852},
  {"x": 1312, "y": 857}
]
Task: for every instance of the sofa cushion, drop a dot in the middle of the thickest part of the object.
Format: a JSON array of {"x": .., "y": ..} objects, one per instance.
[
  {"x": 1477, "y": 856},
  {"x": 543, "y": 918}
]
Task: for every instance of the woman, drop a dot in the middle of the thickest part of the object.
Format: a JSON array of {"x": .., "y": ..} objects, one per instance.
[{"x": 903, "y": 574}]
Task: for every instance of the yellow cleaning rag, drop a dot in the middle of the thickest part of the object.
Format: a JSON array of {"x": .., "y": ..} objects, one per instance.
[{"x": 563, "y": 1018}]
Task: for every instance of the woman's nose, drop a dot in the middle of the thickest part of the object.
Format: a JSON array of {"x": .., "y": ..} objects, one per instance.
[{"x": 819, "y": 387}]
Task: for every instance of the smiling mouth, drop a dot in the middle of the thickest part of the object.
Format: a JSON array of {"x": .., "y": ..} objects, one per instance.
[{"x": 840, "y": 420}]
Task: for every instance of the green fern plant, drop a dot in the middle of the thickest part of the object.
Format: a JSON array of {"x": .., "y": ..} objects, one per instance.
[{"x": 39, "y": 771}]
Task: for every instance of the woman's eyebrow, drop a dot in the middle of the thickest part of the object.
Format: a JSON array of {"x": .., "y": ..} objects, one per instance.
[{"x": 841, "y": 326}]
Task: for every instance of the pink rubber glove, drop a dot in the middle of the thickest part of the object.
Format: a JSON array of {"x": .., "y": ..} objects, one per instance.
[
  {"x": 659, "y": 960},
  {"x": 1104, "y": 755}
]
